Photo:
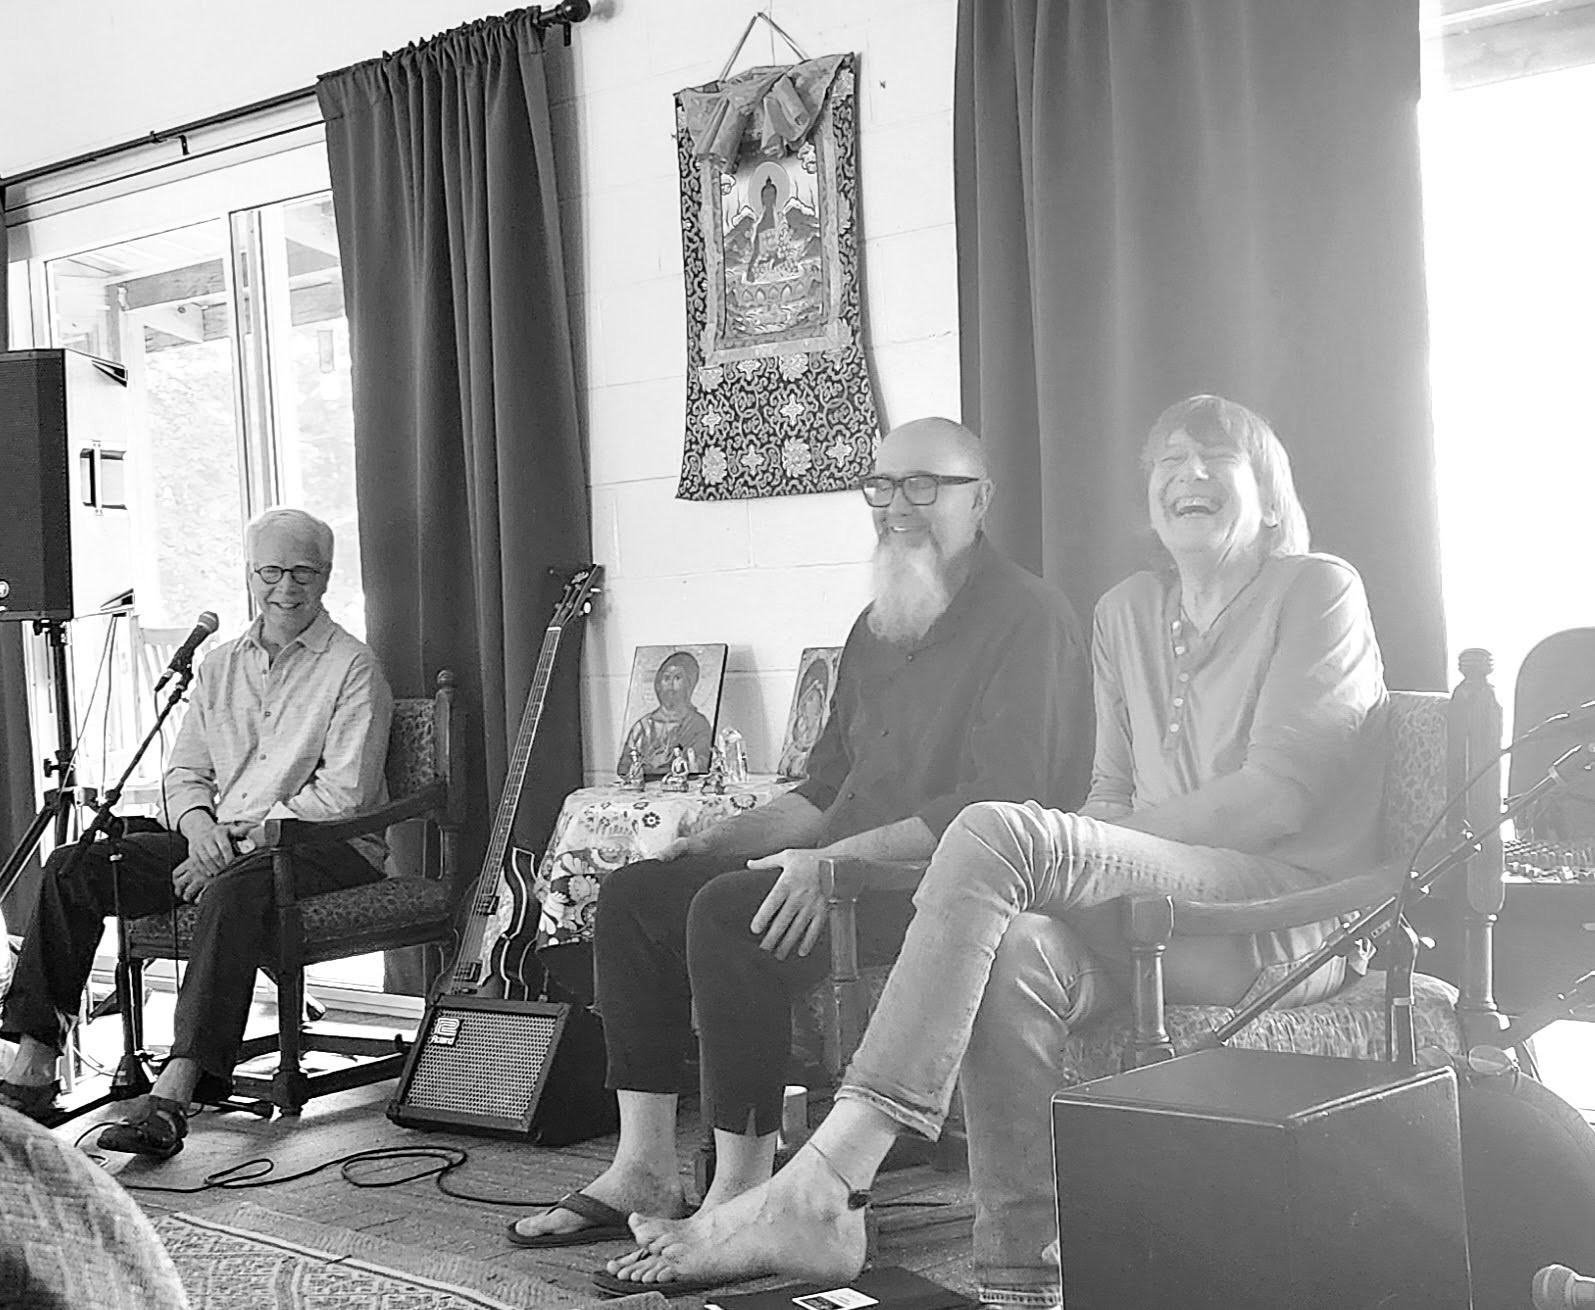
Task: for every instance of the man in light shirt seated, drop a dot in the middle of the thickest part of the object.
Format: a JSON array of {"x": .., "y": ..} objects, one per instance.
[{"x": 288, "y": 720}]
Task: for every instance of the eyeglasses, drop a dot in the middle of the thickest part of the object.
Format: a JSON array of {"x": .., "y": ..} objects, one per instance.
[
  {"x": 303, "y": 574},
  {"x": 918, "y": 488}
]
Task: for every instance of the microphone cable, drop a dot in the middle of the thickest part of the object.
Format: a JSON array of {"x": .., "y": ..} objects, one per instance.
[{"x": 436, "y": 1163}]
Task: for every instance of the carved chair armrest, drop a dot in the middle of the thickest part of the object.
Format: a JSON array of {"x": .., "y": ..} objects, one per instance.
[
  {"x": 1287, "y": 910},
  {"x": 1150, "y": 923},
  {"x": 282, "y": 836},
  {"x": 301, "y": 832},
  {"x": 845, "y": 878}
]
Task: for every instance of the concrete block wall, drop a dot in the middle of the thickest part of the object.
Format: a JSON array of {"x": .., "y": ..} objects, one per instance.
[{"x": 768, "y": 577}]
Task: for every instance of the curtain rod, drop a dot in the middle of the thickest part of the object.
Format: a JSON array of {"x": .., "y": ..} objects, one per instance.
[{"x": 563, "y": 14}]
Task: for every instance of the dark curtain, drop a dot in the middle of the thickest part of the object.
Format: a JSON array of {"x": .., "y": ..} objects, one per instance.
[
  {"x": 1163, "y": 197},
  {"x": 469, "y": 460},
  {"x": 17, "y": 799}
]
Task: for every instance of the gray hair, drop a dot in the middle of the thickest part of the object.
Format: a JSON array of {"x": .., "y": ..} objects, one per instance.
[{"x": 306, "y": 525}]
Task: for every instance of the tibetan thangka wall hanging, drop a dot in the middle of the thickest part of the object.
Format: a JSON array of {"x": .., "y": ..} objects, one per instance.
[{"x": 778, "y": 393}]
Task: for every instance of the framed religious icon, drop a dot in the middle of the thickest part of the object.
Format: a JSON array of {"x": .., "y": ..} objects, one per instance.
[
  {"x": 672, "y": 702},
  {"x": 811, "y": 707}
]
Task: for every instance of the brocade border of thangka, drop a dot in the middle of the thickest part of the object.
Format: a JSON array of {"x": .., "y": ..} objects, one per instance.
[{"x": 773, "y": 410}]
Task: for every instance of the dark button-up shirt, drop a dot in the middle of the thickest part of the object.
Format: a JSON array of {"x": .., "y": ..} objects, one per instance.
[{"x": 993, "y": 703}]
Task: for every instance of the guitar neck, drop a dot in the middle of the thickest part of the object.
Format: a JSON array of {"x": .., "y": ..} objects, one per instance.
[{"x": 468, "y": 963}]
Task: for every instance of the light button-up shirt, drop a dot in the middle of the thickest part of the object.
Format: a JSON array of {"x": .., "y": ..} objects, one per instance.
[{"x": 304, "y": 736}]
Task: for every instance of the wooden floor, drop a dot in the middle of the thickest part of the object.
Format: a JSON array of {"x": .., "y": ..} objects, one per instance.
[{"x": 931, "y": 1239}]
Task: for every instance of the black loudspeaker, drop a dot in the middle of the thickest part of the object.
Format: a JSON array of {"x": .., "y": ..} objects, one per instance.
[
  {"x": 65, "y": 539},
  {"x": 507, "y": 1068},
  {"x": 1245, "y": 1180}
]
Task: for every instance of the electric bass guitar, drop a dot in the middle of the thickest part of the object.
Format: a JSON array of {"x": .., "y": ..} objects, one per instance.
[{"x": 498, "y": 937}]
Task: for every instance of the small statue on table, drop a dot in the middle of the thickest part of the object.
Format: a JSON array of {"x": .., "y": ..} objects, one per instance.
[
  {"x": 733, "y": 755},
  {"x": 632, "y": 779},
  {"x": 680, "y": 767},
  {"x": 715, "y": 779}
]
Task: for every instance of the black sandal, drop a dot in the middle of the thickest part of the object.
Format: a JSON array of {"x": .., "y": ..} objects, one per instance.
[
  {"x": 34, "y": 1101},
  {"x": 156, "y": 1131}
]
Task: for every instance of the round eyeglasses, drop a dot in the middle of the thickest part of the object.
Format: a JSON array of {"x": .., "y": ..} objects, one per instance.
[
  {"x": 918, "y": 488},
  {"x": 303, "y": 574}
]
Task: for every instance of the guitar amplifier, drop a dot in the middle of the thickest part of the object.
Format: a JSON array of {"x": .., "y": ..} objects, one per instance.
[
  {"x": 1239, "y": 1180},
  {"x": 479, "y": 1065}
]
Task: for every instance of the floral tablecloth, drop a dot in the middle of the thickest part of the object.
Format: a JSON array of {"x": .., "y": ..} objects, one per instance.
[{"x": 604, "y": 828}]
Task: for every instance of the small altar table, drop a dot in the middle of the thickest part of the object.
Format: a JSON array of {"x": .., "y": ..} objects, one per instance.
[{"x": 604, "y": 828}]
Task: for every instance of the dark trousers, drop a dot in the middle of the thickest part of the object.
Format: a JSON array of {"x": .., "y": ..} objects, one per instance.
[
  {"x": 235, "y": 933},
  {"x": 667, "y": 934}
]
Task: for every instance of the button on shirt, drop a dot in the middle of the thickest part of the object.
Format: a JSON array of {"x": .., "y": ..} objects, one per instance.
[
  {"x": 302, "y": 737},
  {"x": 1287, "y": 680},
  {"x": 993, "y": 703}
]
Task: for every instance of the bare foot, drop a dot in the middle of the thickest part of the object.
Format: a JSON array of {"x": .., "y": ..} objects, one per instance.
[
  {"x": 629, "y": 1189},
  {"x": 798, "y": 1224},
  {"x": 721, "y": 1191}
]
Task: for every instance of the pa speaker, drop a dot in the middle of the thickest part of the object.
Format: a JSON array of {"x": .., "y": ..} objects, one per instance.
[
  {"x": 65, "y": 539},
  {"x": 508, "y": 1068},
  {"x": 1239, "y": 1180}
]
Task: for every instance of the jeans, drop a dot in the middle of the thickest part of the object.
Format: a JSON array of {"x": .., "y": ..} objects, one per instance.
[
  {"x": 1012, "y": 945},
  {"x": 673, "y": 936},
  {"x": 237, "y": 923}
]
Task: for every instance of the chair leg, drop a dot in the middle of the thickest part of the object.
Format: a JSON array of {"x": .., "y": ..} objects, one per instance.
[{"x": 289, "y": 1086}]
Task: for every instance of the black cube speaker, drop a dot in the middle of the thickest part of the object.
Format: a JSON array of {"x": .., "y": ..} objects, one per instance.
[
  {"x": 1240, "y": 1180},
  {"x": 479, "y": 1065},
  {"x": 65, "y": 542}
]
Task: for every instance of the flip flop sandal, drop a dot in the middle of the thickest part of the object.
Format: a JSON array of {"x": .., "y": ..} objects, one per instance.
[
  {"x": 35, "y": 1101},
  {"x": 607, "y": 1224},
  {"x": 157, "y": 1132}
]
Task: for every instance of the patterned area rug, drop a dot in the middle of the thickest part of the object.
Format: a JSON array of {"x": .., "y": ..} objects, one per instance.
[{"x": 245, "y": 1257}]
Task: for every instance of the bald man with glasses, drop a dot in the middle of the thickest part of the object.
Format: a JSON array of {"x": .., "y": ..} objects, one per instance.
[
  {"x": 966, "y": 679},
  {"x": 288, "y": 720}
]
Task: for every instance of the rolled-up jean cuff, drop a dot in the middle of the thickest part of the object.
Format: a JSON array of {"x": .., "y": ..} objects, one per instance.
[
  {"x": 916, "y": 1121},
  {"x": 1033, "y": 1296}
]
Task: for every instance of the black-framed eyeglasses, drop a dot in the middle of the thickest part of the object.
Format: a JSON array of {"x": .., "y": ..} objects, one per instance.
[
  {"x": 918, "y": 488},
  {"x": 303, "y": 574}
]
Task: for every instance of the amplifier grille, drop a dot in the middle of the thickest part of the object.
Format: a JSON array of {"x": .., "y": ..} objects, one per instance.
[{"x": 491, "y": 1068}]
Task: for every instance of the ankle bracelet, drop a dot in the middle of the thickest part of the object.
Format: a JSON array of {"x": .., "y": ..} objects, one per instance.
[{"x": 857, "y": 1197}]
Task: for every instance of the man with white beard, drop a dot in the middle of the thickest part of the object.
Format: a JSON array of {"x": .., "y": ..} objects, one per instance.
[{"x": 966, "y": 679}]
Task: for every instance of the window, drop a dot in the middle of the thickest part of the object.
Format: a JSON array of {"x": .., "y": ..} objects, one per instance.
[
  {"x": 221, "y": 293},
  {"x": 234, "y": 337},
  {"x": 1507, "y": 197}
]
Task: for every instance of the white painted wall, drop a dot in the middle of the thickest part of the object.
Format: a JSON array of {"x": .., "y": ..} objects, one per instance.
[{"x": 768, "y": 577}]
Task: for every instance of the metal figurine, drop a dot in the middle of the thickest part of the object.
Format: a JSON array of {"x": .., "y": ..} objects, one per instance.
[
  {"x": 676, "y": 778},
  {"x": 715, "y": 779},
  {"x": 632, "y": 778}
]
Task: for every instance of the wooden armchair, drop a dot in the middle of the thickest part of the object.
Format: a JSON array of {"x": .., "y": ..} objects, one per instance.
[
  {"x": 1436, "y": 741},
  {"x": 424, "y": 773}
]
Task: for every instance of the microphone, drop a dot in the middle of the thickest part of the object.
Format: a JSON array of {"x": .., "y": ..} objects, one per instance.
[
  {"x": 1556, "y": 1287},
  {"x": 183, "y": 657}
]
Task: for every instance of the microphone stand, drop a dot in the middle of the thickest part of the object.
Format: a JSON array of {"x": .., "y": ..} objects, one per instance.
[
  {"x": 132, "y": 1075},
  {"x": 1380, "y": 918}
]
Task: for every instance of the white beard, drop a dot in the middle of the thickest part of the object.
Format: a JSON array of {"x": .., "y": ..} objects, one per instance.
[{"x": 910, "y": 590}]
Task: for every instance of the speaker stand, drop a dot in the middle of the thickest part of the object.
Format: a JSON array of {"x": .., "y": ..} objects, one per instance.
[{"x": 59, "y": 801}]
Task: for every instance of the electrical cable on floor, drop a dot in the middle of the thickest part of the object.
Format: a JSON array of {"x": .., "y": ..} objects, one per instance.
[{"x": 257, "y": 1172}]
